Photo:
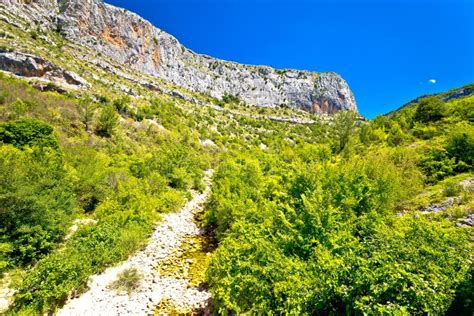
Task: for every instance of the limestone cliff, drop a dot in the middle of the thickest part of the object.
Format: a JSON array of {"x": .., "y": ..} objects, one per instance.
[{"x": 133, "y": 41}]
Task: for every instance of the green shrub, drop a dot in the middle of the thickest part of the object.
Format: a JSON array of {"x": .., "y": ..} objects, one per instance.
[
  {"x": 342, "y": 129},
  {"x": 127, "y": 280},
  {"x": 86, "y": 109},
  {"x": 228, "y": 98},
  {"x": 452, "y": 189},
  {"x": 3, "y": 97},
  {"x": 437, "y": 165},
  {"x": 331, "y": 245},
  {"x": 430, "y": 109},
  {"x": 36, "y": 202},
  {"x": 396, "y": 136},
  {"x": 425, "y": 132},
  {"x": 108, "y": 121},
  {"x": 122, "y": 105},
  {"x": 170, "y": 201},
  {"x": 461, "y": 145},
  {"x": 28, "y": 132}
]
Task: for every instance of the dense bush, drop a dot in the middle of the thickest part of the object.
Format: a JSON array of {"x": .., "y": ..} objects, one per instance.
[
  {"x": 328, "y": 242},
  {"x": 107, "y": 122},
  {"x": 461, "y": 145},
  {"x": 437, "y": 165},
  {"x": 28, "y": 132},
  {"x": 36, "y": 201},
  {"x": 430, "y": 109}
]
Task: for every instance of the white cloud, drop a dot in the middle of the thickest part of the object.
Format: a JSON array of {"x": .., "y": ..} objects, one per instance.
[{"x": 433, "y": 81}]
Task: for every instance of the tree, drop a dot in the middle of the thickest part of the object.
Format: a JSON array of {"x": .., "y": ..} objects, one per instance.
[
  {"x": 122, "y": 105},
  {"x": 344, "y": 124},
  {"x": 36, "y": 201},
  {"x": 430, "y": 109},
  {"x": 461, "y": 145},
  {"x": 108, "y": 121},
  {"x": 396, "y": 135},
  {"x": 87, "y": 109}
]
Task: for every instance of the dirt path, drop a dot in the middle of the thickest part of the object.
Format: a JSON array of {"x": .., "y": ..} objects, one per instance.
[{"x": 153, "y": 288}]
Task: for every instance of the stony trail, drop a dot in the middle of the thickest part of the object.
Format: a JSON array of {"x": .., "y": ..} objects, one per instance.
[{"x": 153, "y": 288}]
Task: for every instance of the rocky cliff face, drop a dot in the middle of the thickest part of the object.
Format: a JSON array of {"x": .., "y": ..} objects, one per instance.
[{"x": 131, "y": 40}]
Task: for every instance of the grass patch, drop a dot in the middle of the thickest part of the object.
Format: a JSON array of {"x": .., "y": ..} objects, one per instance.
[{"x": 127, "y": 281}]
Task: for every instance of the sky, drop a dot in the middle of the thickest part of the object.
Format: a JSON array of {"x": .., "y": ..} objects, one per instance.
[{"x": 389, "y": 51}]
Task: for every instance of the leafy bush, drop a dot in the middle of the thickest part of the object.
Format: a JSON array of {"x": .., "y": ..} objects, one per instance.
[
  {"x": 36, "y": 201},
  {"x": 437, "y": 165},
  {"x": 108, "y": 121},
  {"x": 396, "y": 135},
  {"x": 122, "y": 105},
  {"x": 452, "y": 189},
  {"x": 86, "y": 109},
  {"x": 331, "y": 246},
  {"x": 430, "y": 109},
  {"x": 228, "y": 98},
  {"x": 461, "y": 145},
  {"x": 28, "y": 132},
  {"x": 344, "y": 124}
]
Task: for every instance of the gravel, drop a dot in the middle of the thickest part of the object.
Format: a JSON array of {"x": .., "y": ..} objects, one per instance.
[{"x": 154, "y": 288}]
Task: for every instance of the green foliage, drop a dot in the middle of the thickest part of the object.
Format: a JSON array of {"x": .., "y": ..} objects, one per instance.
[
  {"x": 127, "y": 280},
  {"x": 369, "y": 134},
  {"x": 28, "y": 132},
  {"x": 108, "y": 121},
  {"x": 452, "y": 189},
  {"x": 304, "y": 213},
  {"x": 413, "y": 264},
  {"x": 228, "y": 98},
  {"x": 437, "y": 165},
  {"x": 327, "y": 243},
  {"x": 343, "y": 128},
  {"x": 461, "y": 145},
  {"x": 36, "y": 202},
  {"x": 86, "y": 109},
  {"x": 396, "y": 135},
  {"x": 122, "y": 182},
  {"x": 118, "y": 233},
  {"x": 430, "y": 109},
  {"x": 122, "y": 105},
  {"x": 463, "y": 303}
]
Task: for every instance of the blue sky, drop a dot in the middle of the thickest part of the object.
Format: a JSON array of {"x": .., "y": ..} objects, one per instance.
[{"x": 387, "y": 50}]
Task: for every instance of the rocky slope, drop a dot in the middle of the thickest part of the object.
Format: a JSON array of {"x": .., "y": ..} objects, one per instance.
[
  {"x": 128, "y": 39},
  {"x": 154, "y": 288}
]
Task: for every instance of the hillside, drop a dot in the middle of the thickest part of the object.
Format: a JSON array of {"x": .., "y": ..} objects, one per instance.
[
  {"x": 125, "y": 191},
  {"x": 130, "y": 40}
]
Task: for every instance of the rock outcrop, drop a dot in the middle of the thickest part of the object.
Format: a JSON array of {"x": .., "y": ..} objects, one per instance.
[
  {"x": 26, "y": 65},
  {"x": 131, "y": 40}
]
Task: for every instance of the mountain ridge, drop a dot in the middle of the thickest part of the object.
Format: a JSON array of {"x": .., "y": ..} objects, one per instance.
[
  {"x": 454, "y": 93},
  {"x": 131, "y": 40}
]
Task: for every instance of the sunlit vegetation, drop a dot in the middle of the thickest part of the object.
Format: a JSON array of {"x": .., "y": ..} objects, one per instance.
[
  {"x": 336, "y": 227},
  {"x": 320, "y": 218},
  {"x": 64, "y": 158}
]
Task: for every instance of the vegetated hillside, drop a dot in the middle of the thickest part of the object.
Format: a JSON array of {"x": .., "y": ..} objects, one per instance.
[
  {"x": 376, "y": 220},
  {"x": 312, "y": 214},
  {"x": 324, "y": 217}
]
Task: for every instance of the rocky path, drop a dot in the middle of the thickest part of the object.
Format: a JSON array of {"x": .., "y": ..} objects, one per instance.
[
  {"x": 153, "y": 288},
  {"x": 6, "y": 293}
]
